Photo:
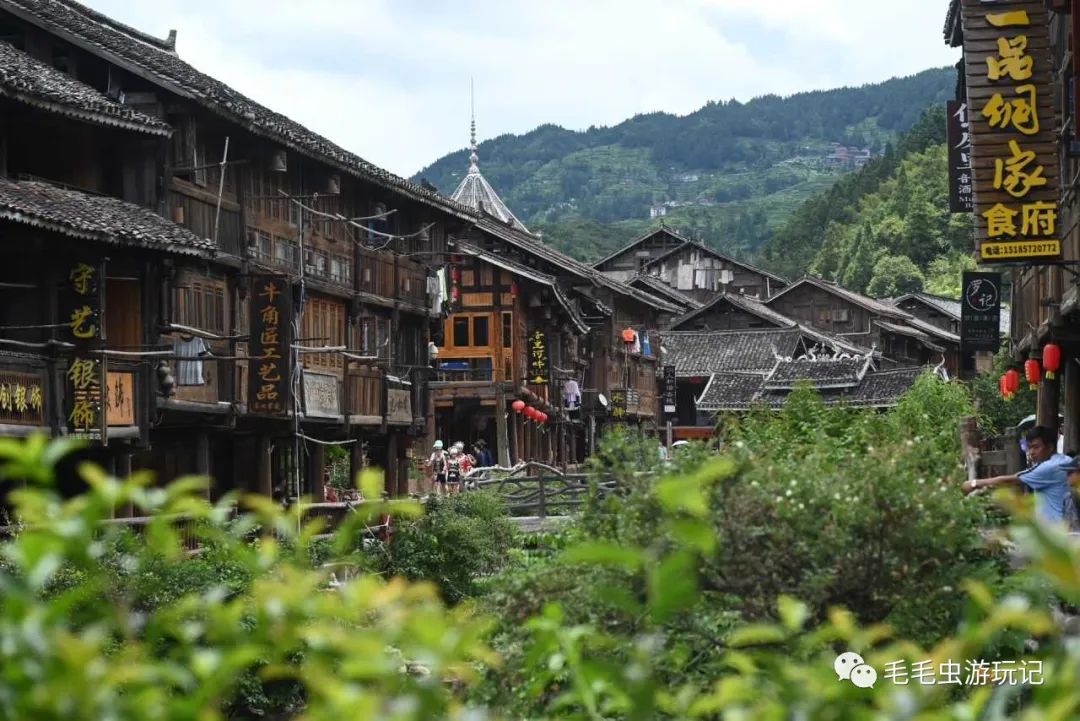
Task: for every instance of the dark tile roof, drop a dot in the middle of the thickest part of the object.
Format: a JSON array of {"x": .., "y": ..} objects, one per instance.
[
  {"x": 721, "y": 256},
  {"x": 708, "y": 352},
  {"x": 741, "y": 302},
  {"x": 702, "y": 353},
  {"x": 29, "y": 81},
  {"x": 948, "y": 306},
  {"x": 874, "y": 306},
  {"x": 909, "y": 331},
  {"x": 821, "y": 373},
  {"x": 641, "y": 239},
  {"x": 156, "y": 60},
  {"x": 741, "y": 392},
  {"x": 654, "y": 285},
  {"x": 93, "y": 217},
  {"x": 529, "y": 243},
  {"x": 529, "y": 274}
]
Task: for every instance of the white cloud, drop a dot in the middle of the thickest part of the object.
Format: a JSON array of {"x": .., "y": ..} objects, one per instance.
[{"x": 389, "y": 79}]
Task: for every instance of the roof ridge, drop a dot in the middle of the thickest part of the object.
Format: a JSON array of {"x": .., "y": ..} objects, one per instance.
[{"x": 165, "y": 44}]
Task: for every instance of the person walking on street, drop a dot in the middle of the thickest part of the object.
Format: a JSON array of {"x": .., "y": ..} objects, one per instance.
[
  {"x": 437, "y": 467},
  {"x": 1048, "y": 476}
]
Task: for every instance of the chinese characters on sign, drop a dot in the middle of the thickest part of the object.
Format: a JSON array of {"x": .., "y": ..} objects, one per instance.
[
  {"x": 980, "y": 312},
  {"x": 120, "y": 398},
  {"x": 22, "y": 399},
  {"x": 1011, "y": 129},
  {"x": 85, "y": 373},
  {"x": 669, "y": 390},
  {"x": 538, "y": 358},
  {"x": 959, "y": 139},
  {"x": 270, "y": 347},
  {"x": 972, "y": 672}
]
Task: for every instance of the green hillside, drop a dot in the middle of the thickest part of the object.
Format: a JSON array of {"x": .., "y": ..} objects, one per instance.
[
  {"x": 729, "y": 172},
  {"x": 885, "y": 229}
]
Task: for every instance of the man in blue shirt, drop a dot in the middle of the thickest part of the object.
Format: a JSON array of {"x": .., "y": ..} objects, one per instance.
[{"x": 1048, "y": 477}]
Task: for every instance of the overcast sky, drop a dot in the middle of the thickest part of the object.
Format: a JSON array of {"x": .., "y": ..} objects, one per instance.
[{"x": 389, "y": 79}]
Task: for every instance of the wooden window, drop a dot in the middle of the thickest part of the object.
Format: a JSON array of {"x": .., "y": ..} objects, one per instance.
[
  {"x": 508, "y": 330},
  {"x": 200, "y": 303},
  {"x": 468, "y": 278},
  {"x": 461, "y": 332},
  {"x": 324, "y": 325},
  {"x": 481, "y": 331},
  {"x": 123, "y": 314}
]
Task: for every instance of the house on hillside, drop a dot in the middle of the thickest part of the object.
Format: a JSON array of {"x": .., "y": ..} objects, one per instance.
[{"x": 688, "y": 266}]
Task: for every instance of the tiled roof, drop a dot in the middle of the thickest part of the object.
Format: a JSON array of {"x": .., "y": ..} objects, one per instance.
[
  {"x": 640, "y": 239},
  {"x": 154, "y": 59},
  {"x": 476, "y": 192},
  {"x": 740, "y": 392},
  {"x": 822, "y": 373},
  {"x": 530, "y": 274},
  {"x": 709, "y": 352},
  {"x": 29, "y": 81},
  {"x": 702, "y": 353},
  {"x": 93, "y": 217},
  {"x": 721, "y": 256},
  {"x": 910, "y": 332},
  {"x": 948, "y": 306},
  {"x": 529, "y": 243},
  {"x": 874, "y": 306},
  {"x": 654, "y": 285},
  {"x": 743, "y": 303}
]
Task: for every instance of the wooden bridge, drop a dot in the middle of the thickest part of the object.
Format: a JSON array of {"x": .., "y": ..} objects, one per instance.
[{"x": 538, "y": 497}]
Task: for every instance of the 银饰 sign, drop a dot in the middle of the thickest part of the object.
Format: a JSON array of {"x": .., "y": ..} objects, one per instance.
[
  {"x": 85, "y": 374},
  {"x": 270, "y": 348},
  {"x": 980, "y": 312},
  {"x": 1014, "y": 158}
]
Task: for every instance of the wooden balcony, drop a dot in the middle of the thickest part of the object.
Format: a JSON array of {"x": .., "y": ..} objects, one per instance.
[
  {"x": 365, "y": 394},
  {"x": 390, "y": 277},
  {"x": 195, "y": 208}
]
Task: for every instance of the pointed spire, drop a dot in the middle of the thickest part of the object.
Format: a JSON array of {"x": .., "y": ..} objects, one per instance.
[{"x": 474, "y": 159}]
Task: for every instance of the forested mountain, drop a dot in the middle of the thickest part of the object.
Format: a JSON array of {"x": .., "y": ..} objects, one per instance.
[
  {"x": 885, "y": 229},
  {"x": 729, "y": 172}
]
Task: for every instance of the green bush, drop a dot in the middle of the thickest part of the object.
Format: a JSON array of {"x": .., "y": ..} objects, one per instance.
[{"x": 456, "y": 541}]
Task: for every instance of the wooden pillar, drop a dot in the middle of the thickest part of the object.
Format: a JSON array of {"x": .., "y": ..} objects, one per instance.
[
  {"x": 502, "y": 441},
  {"x": 264, "y": 482},
  {"x": 391, "y": 466},
  {"x": 123, "y": 472},
  {"x": 1014, "y": 458},
  {"x": 1049, "y": 393},
  {"x": 1071, "y": 400},
  {"x": 316, "y": 468},
  {"x": 356, "y": 462},
  {"x": 202, "y": 459}
]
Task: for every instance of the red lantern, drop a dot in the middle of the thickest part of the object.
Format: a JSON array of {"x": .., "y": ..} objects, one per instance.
[
  {"x": 1052, "y": 359},
  {"x": 1032, "y": 372},
  {"x": 513, "y": 290},
  {"x": 454, "y": 294},
  {"x": 543, "y": 418},
  {"x": 1003, "y": 387},
  {"x": 1012, "y": 381},
  {"x": 518, "y": 406},
  {"x": 455, "y": 274}
]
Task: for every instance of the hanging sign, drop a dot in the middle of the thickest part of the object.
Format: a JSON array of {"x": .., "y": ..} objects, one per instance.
[
  {"x": 980, "y": 312},
  {"x": 538, "y": 358},
  {"x": 270, "y": 348},
  {"x": 670, "y": 402},
  {"x": 85, "y": 377},
  {"x": 1011, "y": 116},
  {"x": 958, "y": 135}
]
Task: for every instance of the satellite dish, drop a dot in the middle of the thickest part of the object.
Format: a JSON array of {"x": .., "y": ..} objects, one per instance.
[{"x": 603, "y": 399}]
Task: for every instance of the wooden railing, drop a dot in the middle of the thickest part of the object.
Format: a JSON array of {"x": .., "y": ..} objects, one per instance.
[
  {"x": 196, "y": 208},
  {"x": 365, "y": 391},
  {"x": 535, "y": 489}
]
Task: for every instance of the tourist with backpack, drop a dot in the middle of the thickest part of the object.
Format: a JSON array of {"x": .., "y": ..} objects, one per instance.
[{"x": 437, "y": 466}]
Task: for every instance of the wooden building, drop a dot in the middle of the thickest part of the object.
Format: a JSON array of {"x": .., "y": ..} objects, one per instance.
[
  {"x": 1044, "y": 305},
  {"x": 902, "y": 338},
  {"x": 688, "y": 266},
  {"x": 202, "y": 214},
  {"x": 528, "y": 323}
]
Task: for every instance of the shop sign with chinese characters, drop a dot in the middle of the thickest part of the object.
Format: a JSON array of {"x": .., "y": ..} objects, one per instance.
[
  {"x": 958, "y": 136},
  {"x": 980, "y": 312},
  {"x": 270, "y": 348},
  {"x": 538, "y": 358},
  {"x": 1013, "y": 142},
  {"x": 81, "y": 310},
  {"x": 22, "y": 399}
]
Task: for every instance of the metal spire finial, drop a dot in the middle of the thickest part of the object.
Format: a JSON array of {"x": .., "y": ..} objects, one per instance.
[{"x": 473, "y": 157}]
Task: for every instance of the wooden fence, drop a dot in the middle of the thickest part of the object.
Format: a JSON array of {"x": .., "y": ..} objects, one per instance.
[{"x": 535, "y": 489}]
